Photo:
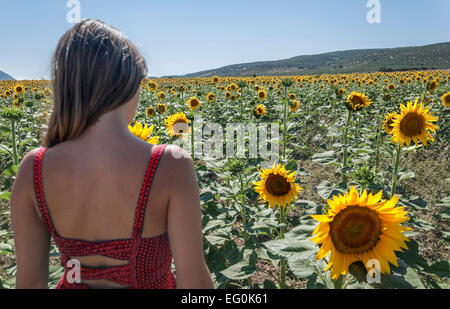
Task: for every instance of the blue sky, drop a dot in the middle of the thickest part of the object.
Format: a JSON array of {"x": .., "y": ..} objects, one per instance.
[{"x": 178, "y": 37}]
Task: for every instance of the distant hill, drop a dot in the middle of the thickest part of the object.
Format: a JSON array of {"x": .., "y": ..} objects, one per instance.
[
  {"x": 4, "y": 76},
  {"x": 435, "y": 56}
]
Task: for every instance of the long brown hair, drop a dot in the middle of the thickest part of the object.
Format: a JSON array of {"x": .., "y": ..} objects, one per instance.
[{"x": 95, "y": 69}]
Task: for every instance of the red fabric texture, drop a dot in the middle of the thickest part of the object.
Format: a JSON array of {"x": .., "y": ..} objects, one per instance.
[{"x": 149, "y": 259}]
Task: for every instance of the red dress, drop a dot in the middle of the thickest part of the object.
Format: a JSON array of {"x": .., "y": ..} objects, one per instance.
[{"x": 149, "y": 259}]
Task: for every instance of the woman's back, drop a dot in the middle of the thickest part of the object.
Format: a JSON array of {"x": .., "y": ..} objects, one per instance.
[{"x": 108, "y": 212}]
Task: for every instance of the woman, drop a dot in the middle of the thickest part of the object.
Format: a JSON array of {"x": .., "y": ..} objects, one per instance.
[{"x": 116, "y": 206}]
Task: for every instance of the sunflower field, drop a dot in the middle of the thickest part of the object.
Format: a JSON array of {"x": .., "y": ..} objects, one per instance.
[{"x": 359, "y": 195}]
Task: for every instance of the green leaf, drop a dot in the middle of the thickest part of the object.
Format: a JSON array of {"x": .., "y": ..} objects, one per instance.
[
  {"x": 5, "y": 196},
  {"x": 327, "y": 191},
  {"x": 414, "y": 202},
  {"x": 207, "y": 196},
  {"x": 302, "y": 268},
  {"x": 440, "y": 268},
  {"x": 445, "y": 202},
  {"x": 324, "y": 157},
  {"x": 242, "y": 270},
  {"x": 406, "y": 175},
  {"x": 216, "y": 240},
  {"x": 292, "y": 247},
  {"x": 411, "y": 256},
  {"x": 268, "y": 284},
  {"x": 291, "y": 165},
  {"x": 401, "y": 278}
]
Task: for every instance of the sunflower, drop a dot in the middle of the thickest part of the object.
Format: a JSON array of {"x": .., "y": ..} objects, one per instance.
[
  {"x": 292, "y": 96},
  {"x": 194, "y": 103},
  {"x": 177, "y": 124},
  {"x": 391, "y": 87},
  {"x": 161, "y": 95},
  {"x": 260, "y": 110},
  {"x": 340, "y": 92},
  {"x": 161, "y": 108},
  {"x": 388, "y": 122},
  {"x": 210, "y": 97},
  {"x": 277, "y": 186},
  {"x": 152, "y": 86},
  {"x": 150, "y": 111},
  {"x": 413, "y": 123},
  {"x": 215, "y": 79},
  {"x": 19, "y": 89},
  {"x": 232, "y": 87},
  {"x": 7, "y": 93},
  {"x": 294, "y": 105},
  {"x": 262, "y": 94},
  {"x": 446, "y": 99},
  {"x": 432, "y": 85},
  {"x": 360, "y": 228},
  {"x": 144, "y": 133},
  {"x": 47, "y": 92},
  {"x": 358, "y": 101}
]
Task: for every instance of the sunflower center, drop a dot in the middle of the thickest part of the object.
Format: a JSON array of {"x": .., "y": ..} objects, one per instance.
[
  {"x": 412, "y": 124},
  {"x": 447, "y": 98},
  {"x": 277, "y": 185},
  {"x": 355, "y": 230},
  {"x": 356, "y": 101}
]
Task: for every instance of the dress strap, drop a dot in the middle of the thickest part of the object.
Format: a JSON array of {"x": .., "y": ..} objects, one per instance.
[
  {"x": 145, "y": 190},
  {"x": 39, "y": 189}
]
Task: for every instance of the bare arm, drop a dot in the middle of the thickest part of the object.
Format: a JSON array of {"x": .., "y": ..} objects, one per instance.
[
  {"x": 31, "y": 237},
  {"x": 184, "y": 224}
]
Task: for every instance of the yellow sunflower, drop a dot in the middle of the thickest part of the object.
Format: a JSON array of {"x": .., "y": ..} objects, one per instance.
[
  {"x": 277, "y": 186},
  {"x": 446, "y": 99},
  {"x": 150, "y": 111},
  {"x": 210, "y": 97},
  {"x": 292, "y": 96},
  {"x": 177, "y": 124},
  {"x": 144, "y": 133},
  {"x": 432, "y": 85},
  {"x": 413, "y": 124},
  {"x": 161, "y": 95},
  {"x": 215, "y": 79},
  {"x": 360, "y": 228},
  {"x": 358, "y": 101},
  {"x": 262, "y": 94},
  {"x": 161, "y": 108},
  {"x": 388, "y": 122},
  {"x": 194, "y": 103},
  {"x": 340, "y": 92},
  {"x": 152, "y": 86},
  {"x": 294, "y": 106},
  {"x": 19, "y": 88},
  {"x": 260, "y": 110}
]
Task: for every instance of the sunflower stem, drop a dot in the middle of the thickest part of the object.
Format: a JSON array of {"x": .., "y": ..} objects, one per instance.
[
  {"x": 284, "y": 129},
  {"x": 396, "y": 166},
  {"x": 344, "y": 165},
  {"x": 243, "y": 210},
  {"x": 283, "y": 260},
  {"x": 379, "y": 140},
  {"x": 14, "y": 144}
]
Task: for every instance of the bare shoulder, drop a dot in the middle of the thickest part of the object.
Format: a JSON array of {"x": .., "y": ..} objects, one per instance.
[
  {"x": 26, "y": 165},
  {"x": 177, "y": 157},
  {"x": 23, "y": 186}
]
